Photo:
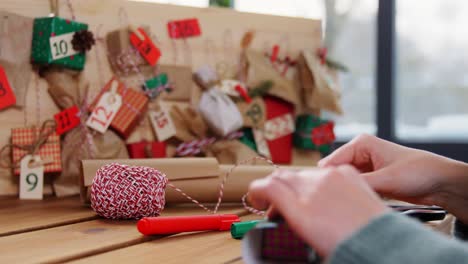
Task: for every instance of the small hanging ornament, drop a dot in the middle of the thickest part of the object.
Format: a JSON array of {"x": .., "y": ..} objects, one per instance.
[{"x": 83, "y": 40}]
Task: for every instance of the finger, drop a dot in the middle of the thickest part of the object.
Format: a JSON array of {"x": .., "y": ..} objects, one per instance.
[
  {"x": 381, "y": 181},
  {"x": 274, "y": 192},
  {"x": 343, "y": 155},
  {"x": 357, "y": 152}
]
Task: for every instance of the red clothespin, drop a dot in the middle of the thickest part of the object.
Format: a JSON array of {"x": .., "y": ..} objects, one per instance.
[
  {"x": 322, "y": 54},
  {"x": 243, "y": 93},
  {"x": 145, "y": 45},
  {"x": 274, "y": 54}
]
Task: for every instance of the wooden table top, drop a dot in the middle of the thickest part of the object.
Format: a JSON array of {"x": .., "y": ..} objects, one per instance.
[{"x": 64, "y": 230}]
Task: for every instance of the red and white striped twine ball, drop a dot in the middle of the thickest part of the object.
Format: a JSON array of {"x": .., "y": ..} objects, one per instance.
[{"x": 128, "y": 192}]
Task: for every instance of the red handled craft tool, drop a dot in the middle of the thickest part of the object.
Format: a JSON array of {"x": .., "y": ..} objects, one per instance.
[{"x": 178, "y": 224}]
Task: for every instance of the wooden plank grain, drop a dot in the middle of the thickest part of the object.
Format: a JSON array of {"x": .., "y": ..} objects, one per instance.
[
  {"x": 79, "y": 240},
  {"x": 20, "y": 216},
  {"x": 203, "y": 247}
]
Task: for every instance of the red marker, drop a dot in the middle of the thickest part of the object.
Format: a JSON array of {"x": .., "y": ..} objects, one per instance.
[{"x": 178, "y": 224}]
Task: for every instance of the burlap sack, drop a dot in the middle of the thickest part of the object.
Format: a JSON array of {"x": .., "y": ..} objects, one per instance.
[
  {"x": 259, "y": 69},
  {"x": 15, "y": 50},
  {"x": 188, "y": 123},
  {"x": 67, "y": 89},
  {"x": 316, "y": 82}
]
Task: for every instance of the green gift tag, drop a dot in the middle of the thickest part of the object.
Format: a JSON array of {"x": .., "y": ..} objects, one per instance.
[{"x": 51, "y": 42}]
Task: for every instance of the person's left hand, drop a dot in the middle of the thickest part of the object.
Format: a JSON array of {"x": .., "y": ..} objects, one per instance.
[{"x": 322, "y": 206}]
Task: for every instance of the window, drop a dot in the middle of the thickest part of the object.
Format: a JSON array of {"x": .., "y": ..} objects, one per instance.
[{"x": 431, "y": 79}]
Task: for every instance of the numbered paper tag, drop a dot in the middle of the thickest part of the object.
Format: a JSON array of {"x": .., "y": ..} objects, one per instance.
[
  {"x": 61, "y": 46},
  {"x": 260, "y": 141},
  {"x": 184, "y": 28},
  {"x": 162, "y": 124},
  {"x": 31, "y": 178},
  {"x": 67, "y": 119},
  {"x": 145, "y": 46},
  {"x": 7, "y": 97},
  {"x": 279, "y": 127},
  {"x": 105, "y": 111}
]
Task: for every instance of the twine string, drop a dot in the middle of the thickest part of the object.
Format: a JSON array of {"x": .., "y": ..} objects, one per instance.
[{"x": 221, "y": 188}]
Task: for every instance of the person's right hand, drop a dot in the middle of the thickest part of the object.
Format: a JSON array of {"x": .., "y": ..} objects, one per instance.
[{"x": 407, "y": 174}]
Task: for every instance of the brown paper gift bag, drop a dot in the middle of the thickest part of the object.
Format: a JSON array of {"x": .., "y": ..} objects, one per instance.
[
  {"x": 121, "y": 54},
  {"x": 253, "y": 113},
  {"x": 191, "y": 126},
  {"x": 181, "y": 80},
  {"x": 260, "y": 70},
  {"x": 316, "y": 81},
  {"x": 188, "y": 123},
  {"x": 15, "y": 50},
  {"x": 65, "y": 87},
  {"x": 230, "y": 152}
]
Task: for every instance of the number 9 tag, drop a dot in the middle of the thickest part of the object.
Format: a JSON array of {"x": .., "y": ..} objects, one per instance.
[
  {"x": 105, "y": 110},
  {"x": 31, "y": 178}
]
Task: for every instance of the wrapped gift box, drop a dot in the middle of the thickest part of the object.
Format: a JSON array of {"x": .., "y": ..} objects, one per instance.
[
  {"x": 314, "y": 133},
  {"x": 50, "y": 150},
  {"x": 281, "y": 144},
  {"x": 134, "y": 106},
  {"x": 51, "y": 42},
  {"x": 146, "y": 149}
]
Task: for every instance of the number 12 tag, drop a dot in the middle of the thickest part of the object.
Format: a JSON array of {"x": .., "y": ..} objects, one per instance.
[
  {"x": 31, "y": 178},
  {"x": 105, "y": 110}
]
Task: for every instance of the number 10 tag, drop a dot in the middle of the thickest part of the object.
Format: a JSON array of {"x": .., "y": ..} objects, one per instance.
[
  {"x": 61, "y": 46},
  {"x": 105, "y": 110},
  {"x": 31, "y": 178}
]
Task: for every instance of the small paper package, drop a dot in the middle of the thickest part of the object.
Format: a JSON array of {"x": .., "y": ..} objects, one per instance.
[
  {"x": 30, "y": 137},
  {"x": 146, "y": 150},
  {"x": 52, "y": 42},
  {"x": 134, "y": 106},
  {"x": 220, "y": 112},
  {"x": 314, "y": 133}
]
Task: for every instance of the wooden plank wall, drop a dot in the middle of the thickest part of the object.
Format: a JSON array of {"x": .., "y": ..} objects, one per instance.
[{"x": 222, "y": 30}]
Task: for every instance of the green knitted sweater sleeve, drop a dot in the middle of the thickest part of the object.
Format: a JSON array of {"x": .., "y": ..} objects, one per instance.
[{"x": 393, "y": 238}]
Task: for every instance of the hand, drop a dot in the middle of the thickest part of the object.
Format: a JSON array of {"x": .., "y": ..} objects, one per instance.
[
  {"x": 407, "y": 174},
  {"x": 323, "y": 207}
]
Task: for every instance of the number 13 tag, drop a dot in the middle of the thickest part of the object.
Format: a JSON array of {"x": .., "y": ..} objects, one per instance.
[
  {"x": 105, "y": 110},
  {"x": 31, "y": 178}
]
